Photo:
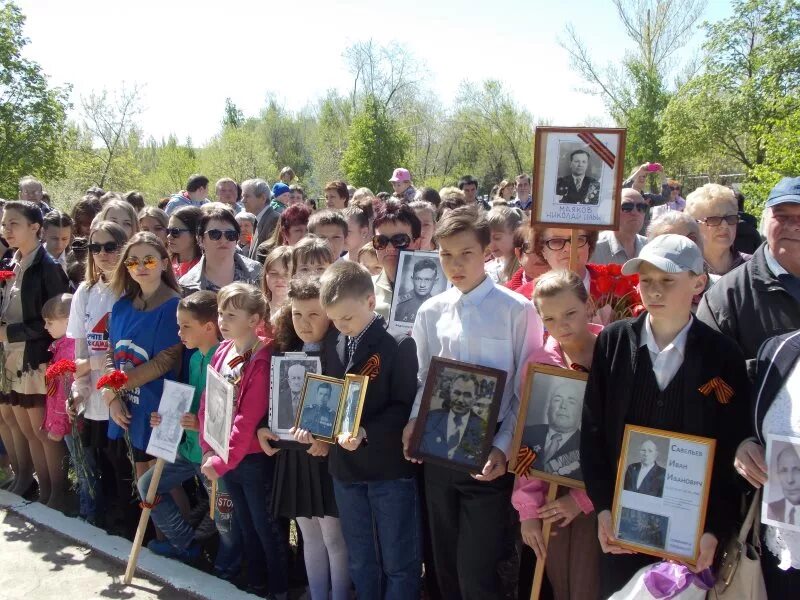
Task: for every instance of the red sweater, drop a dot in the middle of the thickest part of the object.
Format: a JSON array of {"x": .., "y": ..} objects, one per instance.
[{"x": 252, "y": 403}]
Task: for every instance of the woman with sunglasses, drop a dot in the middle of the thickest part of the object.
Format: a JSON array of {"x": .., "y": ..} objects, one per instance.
[
  {"x": 142, "y": 324},
  {"x": 182, "y": 245},
  {"x": 218, "y": 235},
  {"x": 88, "y": 326},
  {"x": 37, "y": 278},
  {"x": 715, "y": 209}
]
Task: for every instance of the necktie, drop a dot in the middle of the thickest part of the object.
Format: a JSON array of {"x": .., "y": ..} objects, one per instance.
[
  {"x": 455, "y": 437},
  {"x": 552, "y": 447},
  {"x": 791, "y": 284},
  {"x": 791, "y": 516}
]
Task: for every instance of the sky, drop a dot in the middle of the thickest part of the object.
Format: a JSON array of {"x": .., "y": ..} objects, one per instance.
[{"x": 187, "y": 57}]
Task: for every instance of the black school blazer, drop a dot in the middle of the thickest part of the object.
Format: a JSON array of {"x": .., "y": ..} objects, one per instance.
[
  {"x": 610, "y": 392},
  {"x": 392, "y": 365},
  {"x": 776, "y": 359},
  {"x": 43, "y": 279}
]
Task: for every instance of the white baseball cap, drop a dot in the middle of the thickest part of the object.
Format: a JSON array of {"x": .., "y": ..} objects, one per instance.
[{"x": 669, "y": 252}]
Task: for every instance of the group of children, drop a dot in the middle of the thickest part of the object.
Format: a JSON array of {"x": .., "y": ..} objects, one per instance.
[{"x": 368, "y": 514}]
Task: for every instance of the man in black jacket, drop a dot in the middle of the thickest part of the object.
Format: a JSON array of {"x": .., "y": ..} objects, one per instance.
[{"x": 762, "y": 298}]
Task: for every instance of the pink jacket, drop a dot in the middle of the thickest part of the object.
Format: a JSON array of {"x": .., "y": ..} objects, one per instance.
[
  {"x": 530, "y": 493},
  {"x": 252, "y": 403}
]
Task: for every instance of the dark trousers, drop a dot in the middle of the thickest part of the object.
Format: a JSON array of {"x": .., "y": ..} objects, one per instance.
[
  {"x": 466, "y": 520},
  {"x": 381, "y": 527},
  {"x": 616, "y": 570},
  {"x": 781, "y": 585},
  {"x": 250, "y": 487}
]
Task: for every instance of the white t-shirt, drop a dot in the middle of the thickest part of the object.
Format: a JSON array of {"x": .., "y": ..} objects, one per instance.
[{"x": 88, "y": 324}]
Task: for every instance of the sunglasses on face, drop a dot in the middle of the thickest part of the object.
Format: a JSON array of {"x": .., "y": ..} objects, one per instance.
[
  {"x": 717, "y": 221},
  {"x": 216, "y": 234},
  {"x": 630, "y": 206},
  {"x": 149, "y": 262},
  {"x": 108, "y": 248},
  {"x": 176, "y": 231},
  {"x": 399, "y": 241},
  {"x": 557, "y": 244}
]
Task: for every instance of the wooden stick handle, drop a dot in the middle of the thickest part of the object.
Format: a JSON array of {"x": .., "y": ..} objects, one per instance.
[
  {"x": 212, "y": 501},
  {"x": 137, "y": 540},
  {"x": 538, "y": 574},
  {"x": 573, "y": 251}
]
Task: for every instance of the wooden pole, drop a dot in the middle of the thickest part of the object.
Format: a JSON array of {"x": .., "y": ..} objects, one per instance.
[
  {"x": 212, "y": 500},
  {"x": 137, "y": 540},
  {"x": 538, "y": 574},
  {"x": 573, "y": 251}
]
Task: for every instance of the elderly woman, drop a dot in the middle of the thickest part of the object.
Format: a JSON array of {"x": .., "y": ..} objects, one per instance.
[
  {"x": 218, "y": 235},
  {"x": 714, "y": 207},
  {"x": 778, "y": 399},
  {"x": 678, "y": 223},
  {"x": 247, "y": 223}
]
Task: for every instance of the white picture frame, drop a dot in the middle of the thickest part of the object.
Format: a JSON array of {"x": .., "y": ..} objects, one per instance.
[
  {"x": 176, "y": 400},
  {"x": 287, "y": 377},
  {"x": 412, "y": 289},
  {"x": 218, "y": 415},
  {"x": 780, "y": 503}
]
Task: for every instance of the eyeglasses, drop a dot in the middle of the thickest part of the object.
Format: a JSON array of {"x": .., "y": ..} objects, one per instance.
[
  {"x": 629, "y": 206},
  {"x": 717, "y": 221},
  {"x": 557, "y": 244},
  {"x": 176, "y": 231},
  {"x": 149, "y": 262},
  {"x": 399, "y": 241},
  {"x": 108, "y": 248},
  {"x": 216, "y": 234}
]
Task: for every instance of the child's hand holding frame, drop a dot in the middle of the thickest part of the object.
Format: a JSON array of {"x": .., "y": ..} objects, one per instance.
[{"x": 348, "y": 442}]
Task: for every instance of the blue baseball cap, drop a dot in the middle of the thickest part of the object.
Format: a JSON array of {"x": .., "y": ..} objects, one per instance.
[
  {"x": 787, "y": 190},
  {"x": 280, "y": 188}
]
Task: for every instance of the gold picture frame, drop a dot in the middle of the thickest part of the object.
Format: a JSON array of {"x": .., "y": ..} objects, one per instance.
[
  {"x": 533, "y": 411},
  {"x": 357, "y": 384},
  {"x": 320, "y": 424},
  {"x": 647, "y": 509}
]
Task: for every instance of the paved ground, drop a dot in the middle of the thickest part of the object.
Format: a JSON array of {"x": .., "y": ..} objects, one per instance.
[{"x": 39, "y": 564}]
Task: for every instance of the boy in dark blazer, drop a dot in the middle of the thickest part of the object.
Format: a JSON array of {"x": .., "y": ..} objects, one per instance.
[
  {"x": 375, "y": 487},
  {"x": 664, "y": 370}
]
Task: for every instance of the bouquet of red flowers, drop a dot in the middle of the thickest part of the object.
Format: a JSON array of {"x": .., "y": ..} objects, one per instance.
[
  {"x": 114, "y": 381},
  {"x": 615, "y": 295},
  {"x": 59, "y": 370}
]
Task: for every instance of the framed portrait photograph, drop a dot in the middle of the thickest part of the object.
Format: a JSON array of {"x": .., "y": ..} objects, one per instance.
[
  {"x": 287, "y": 377},
  {"x": 419, "y": 276},
  {"x": 355, "y": 391},
  {"x": 661, "y": 492},
  {"x": 176, "y": 400},
  {"x": 458, "y": 416},
  {"x": 319, "y": 406},
  {"x": 577, "y": 177},
  {"x": 549, "y": 426},
  {"x": 218, "y": 417},
  {"x": 780, "y": 504}
]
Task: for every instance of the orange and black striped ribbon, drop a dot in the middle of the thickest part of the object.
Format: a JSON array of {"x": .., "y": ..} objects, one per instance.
[
  {"x": 723, "y": 391},
  {"x": 599, "y": 147},
  {"x": 525, "y": 458}
]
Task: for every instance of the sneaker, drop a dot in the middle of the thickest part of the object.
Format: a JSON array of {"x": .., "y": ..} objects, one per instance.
[{"x": 166, "y": 549}]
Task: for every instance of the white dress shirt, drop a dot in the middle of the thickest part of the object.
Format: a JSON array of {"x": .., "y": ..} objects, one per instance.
[
  {"x": 666, "y": 362},
  {"x": 489, "y": 326},
  {"x": 643, "y": 471}
]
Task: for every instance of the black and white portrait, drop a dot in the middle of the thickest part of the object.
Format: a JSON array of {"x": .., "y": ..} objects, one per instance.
[
  {"x": 640, "y": 527},
  {"x": 578, "y": 177},
  {"x": 457, "y": 424},
  {"x": 579, "y": 174},
  {"x": 176, "y": 400},
  {"x": 419, "y": 277},
  {"x": 646, "y": 459},
  {"x": 553, "y": 421},
  {"x": 781, "y": 501},
  {"x": 355, "y": 388},
  {"x": 218, "y": 415},
  {"x": 288, "y": 377},
  {"x": 320, "y": 406}
]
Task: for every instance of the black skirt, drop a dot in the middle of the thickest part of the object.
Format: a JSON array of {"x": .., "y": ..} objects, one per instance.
[{"x": 302, "y": 487}]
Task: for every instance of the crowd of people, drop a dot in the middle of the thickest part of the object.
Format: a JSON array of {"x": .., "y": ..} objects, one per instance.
[{"x": 168, "y": 290}]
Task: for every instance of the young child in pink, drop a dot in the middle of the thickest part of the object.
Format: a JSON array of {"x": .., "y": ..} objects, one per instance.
[
  {"x": 573, "y": 552},
  {"x": 56, "y": 316}
]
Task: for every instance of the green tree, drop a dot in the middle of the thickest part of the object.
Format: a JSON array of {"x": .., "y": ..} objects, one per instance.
[
  {"x": 375, "y": 147},
  {"x": 743, "y": 105},
  {"x": 32, "y": 114},
  {"x": 635, "y": 91}
]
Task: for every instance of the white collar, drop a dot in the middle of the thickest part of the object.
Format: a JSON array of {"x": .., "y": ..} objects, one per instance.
[
  {"x": 262, "y": 212},
  {"x": 679, "y": 343},
  {"x": 772, "y": 263},
  {"x": 476, "y": 295}
]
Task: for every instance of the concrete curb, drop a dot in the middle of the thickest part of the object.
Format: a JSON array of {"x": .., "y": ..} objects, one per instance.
[{"x": 171, "y": 572}]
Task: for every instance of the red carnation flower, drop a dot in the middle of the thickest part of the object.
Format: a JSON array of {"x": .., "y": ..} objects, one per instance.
[
  {"x": 6, "y": 275},
  {"x": 59, "y": 368},
  {"x": 115, "y": 380}
]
